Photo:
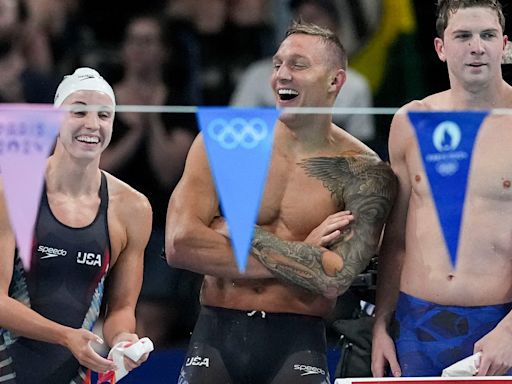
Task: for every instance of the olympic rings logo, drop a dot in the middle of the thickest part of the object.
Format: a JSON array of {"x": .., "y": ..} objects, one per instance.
[{"x": 238, "y": 132}]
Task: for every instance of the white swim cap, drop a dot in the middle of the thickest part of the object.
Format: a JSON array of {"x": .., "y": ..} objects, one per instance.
[{"x": 84, "y": 79}]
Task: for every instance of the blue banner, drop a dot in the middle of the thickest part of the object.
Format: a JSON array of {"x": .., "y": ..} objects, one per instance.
[
  {"x": 239, "y": 144},
  {"x": 446, "y": 142}
]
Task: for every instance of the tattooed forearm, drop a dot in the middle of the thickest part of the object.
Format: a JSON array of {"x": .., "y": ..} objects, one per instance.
[
  {"x": 362, "y": 184},
  {"x": 295, "y": 262},
  {"x": 356, "y": 247},
  {"x": 367, "y": 187}
]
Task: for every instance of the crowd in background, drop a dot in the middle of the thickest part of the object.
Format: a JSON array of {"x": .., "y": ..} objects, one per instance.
[{"x": 195, "y": 52}]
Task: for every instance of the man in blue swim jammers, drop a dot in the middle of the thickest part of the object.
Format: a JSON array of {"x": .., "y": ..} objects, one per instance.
[{"x": 449, "y": 313}]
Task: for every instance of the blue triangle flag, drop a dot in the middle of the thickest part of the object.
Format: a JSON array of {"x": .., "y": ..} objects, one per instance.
[
  {"x": 239, "y": 144},
  {"x": 446, "y": 142}
]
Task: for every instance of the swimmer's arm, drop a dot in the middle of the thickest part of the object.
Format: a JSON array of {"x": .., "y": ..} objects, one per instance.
[
  {"x": 23, "y": 321},
  {"x": 369, "y": 196},
  {"x": 392, "y": 251},
  {"x": 190, "y": 241},
  {"x": 124, "y": 281}
]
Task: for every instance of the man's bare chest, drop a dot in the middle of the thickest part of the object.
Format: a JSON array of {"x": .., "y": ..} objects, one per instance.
[
  {"x": 294, "y": 203},
  {"x": 490, "y": 166}
]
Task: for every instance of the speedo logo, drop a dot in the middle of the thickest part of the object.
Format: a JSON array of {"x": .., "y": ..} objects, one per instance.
[
  {"x": 308, "y": 370},
  {"x": 51, "y": 252}
]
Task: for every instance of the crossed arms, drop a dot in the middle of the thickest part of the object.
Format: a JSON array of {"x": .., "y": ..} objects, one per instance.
[
  {"x": 366, "y": 187},
  {"x": 361, "y": 184}
]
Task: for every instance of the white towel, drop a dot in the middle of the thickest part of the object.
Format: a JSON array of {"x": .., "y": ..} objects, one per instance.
[
  {"x": 464, "y": 367},
  {"x": 119, "y": 351}
]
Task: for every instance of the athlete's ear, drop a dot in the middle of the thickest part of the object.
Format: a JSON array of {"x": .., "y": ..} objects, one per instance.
[{"x": 337, "y": 81}]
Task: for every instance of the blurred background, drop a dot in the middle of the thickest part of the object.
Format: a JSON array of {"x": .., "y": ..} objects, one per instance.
[{"x": 214, "y": 52}]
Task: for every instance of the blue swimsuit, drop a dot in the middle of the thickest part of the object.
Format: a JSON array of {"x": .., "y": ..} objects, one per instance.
[{"x": 431, "y": 337}]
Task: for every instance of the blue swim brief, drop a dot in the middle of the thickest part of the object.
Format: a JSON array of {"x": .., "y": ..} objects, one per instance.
[{"x": 430, "y": 337}]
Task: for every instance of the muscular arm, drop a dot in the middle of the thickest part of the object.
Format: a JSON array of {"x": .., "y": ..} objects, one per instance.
[
  {"x": 391, "y": 254},
  {"x": 366, "y": 187},
  {"x": 392, "y": 251},
  {"x": 190, "y": 242},
  {"x": 125, "y": 279}
]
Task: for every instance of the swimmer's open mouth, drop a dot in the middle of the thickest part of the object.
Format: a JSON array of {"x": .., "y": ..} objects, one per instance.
[
  {"x": 286, "y": 94},
  {"x": 88, "y": 139}
]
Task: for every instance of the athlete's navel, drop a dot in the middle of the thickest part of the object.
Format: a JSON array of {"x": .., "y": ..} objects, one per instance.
[
  {"x": 450, "y": 277},
  {"x": 506, "y": 184},
  {"x": 259, "y": 290},
  {"x": 417, "y": 178}
]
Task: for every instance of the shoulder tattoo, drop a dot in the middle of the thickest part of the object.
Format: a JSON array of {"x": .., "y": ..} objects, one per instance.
[{"x": 361, "y": 183}]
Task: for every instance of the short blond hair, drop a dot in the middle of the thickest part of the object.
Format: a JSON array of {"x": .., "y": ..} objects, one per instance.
[{"x": 339, "y": 55}]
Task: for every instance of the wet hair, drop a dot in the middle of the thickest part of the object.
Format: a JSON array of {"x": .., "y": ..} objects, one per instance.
[
  {"x": 338, "y": 55},
  {"x": 446, "y": 8}
]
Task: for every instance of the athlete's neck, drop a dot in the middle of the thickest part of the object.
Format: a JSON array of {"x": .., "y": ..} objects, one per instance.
[
  {"x": 489, "y": 96},
  {"x": 305, "y": 138},
  {"x": 72, "y": 179}
]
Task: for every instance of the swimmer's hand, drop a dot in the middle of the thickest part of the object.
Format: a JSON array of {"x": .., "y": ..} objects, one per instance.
[
  {"x": 128, "y": 339},
  {"x": 220, "y": 226},
  {"x": 78, "y": 341},
  {"x": 330, "y": 229},
  {"x": 496, "y": 349}
]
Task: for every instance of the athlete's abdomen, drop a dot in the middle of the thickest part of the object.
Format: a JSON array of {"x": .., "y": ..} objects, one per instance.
[{"x": 268, "y": 295}]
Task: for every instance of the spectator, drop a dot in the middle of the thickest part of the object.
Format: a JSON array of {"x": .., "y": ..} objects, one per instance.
[{"x": 19, "y": 82}]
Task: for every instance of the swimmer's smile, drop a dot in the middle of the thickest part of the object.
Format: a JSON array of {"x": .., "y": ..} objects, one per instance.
[
  {"x": 88, "y": 140},
  {"x": 286, "y": 94}
]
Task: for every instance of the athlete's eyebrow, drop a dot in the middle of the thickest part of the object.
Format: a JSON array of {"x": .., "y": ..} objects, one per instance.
[
  {"x": 468, "y": 30},
  {"x": 77, "y": 106},
  {"x": 292, "y": 57},
  {"x": 493, "y": 30}
]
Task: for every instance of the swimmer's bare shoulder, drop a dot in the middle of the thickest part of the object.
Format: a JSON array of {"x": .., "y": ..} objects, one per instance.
[
  {"x": 400, "y": 125},
  {"x": 129, "y": 217}
]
